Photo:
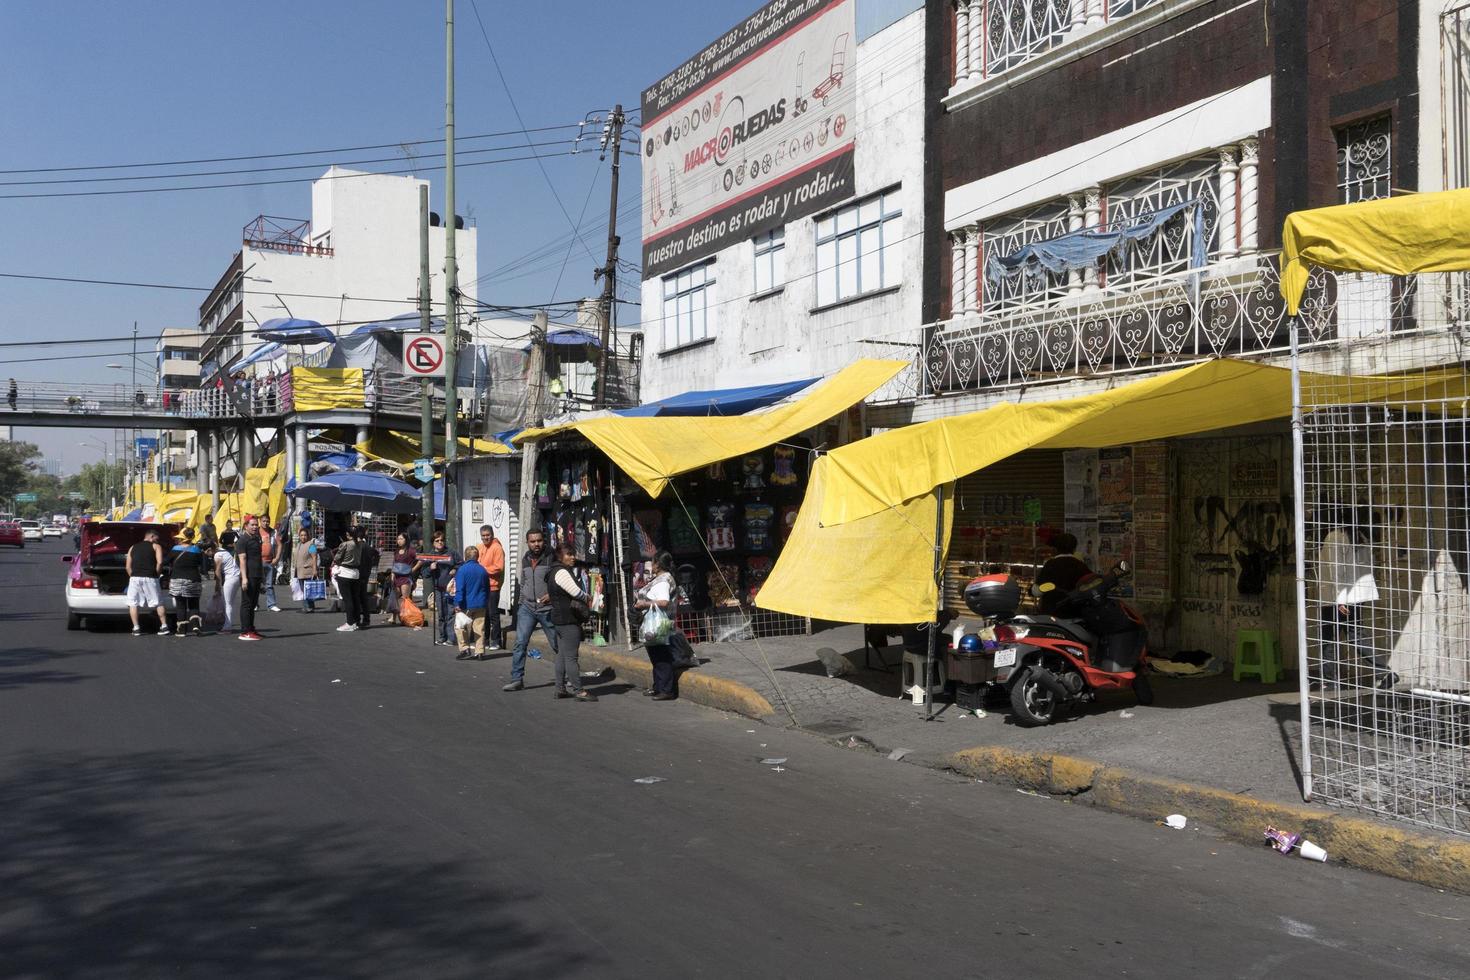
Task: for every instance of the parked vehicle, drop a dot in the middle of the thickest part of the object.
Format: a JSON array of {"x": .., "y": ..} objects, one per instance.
[
  {"x": 97, "y": 577},
  {"x": 31, "y": 530},
  {"x": 1048, "y": 664},
  {"x": 10, "y": 533}
]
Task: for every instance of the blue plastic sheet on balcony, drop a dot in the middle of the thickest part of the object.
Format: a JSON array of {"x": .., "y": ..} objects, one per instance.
[
  {"x": 1078, "y": 250},
  {"x": 720, "y": 401},
  {"x": 260, "y": 353},
  {"x": 286, "y": 330}
]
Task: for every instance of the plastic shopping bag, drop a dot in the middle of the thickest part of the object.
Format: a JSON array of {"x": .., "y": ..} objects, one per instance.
[
  {"x": 655, "y": 626},
  {"x": 462, "y": 620},
  {"x": 409, "y": 613},
  {"x": 214, "y": 612}
]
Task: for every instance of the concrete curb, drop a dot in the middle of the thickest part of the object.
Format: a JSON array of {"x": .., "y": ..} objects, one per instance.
[
  {"x": 700, "y": 688},
  {"x": 1425, "y": 858}
]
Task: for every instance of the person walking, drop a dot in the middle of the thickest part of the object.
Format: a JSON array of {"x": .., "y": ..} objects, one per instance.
[
  {"x": 305, "y": 567},
  {"x": 186, "y": 584},
  {"x": 271, "y": 547},
  {"x": 12, "y": 394},
  {"x": 659, "y": 594},
  {"x": 438, "y": 567},
  {"x": 471, "y": 593},
  {"x": 533, "y": 607},
  {"x": 564, "y": 590},
  {"x": 227, "y": 582},
  {"x": 228, "y": 535},
  {"x": 492, "y": 557},
  {"x": 345, "y": 569},
  {"x": 252, "y": 573},
  {"x": 367, "y": 567},
  {"x": 143, "y": 562},
  {"x": 405, "y": 557}
]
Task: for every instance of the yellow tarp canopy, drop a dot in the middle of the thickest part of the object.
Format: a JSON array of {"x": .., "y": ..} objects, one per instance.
[
  {"x": 890, "y": 555},
  {"x": 654, "y": 450},
  {"x": 885, "y": 470},
  {"x": 1399, "y": 235},
  {"x": 403, "y": 447},
  {"x": 321, "y": 389}
]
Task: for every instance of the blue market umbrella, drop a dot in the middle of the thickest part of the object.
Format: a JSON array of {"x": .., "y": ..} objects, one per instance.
[
  {"x": 376, "y": 493},
  {"x": 287, "y": 330}
]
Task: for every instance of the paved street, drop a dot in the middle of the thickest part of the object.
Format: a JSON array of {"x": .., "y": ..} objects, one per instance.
[{"x": 362, "y": 805}]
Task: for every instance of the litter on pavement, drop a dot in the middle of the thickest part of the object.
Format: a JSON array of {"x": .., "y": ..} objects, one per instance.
[
  {"x": 1125, "y": 714},
  {"x": 1283, "y": 841},
  {"x": 772, "y": 762},
  {"x": 1176, "y": 820},
  {"x": 898, "y": 754},
  {"x": 337, "y": 681},
  {"x": 649, "y": 780}
]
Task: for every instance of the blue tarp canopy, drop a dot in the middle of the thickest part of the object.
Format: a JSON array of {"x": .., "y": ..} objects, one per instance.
[
  {"x": 721, "y": 401},
  {"x": 403, "y": 323},
  {"x": 284, "y": 330},
  {"x": 260, "y": 353},
  {"x": 1083, "y": 249},
  {"x": 569, "y": 337}
]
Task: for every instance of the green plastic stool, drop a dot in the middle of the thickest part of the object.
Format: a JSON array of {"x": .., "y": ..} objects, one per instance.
[{"x": 1264, "y": 661}]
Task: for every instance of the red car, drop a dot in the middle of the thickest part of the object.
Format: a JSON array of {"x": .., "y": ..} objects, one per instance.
[{"x": 10, "y": 533}]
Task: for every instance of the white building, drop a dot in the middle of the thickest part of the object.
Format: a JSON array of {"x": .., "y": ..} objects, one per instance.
[
  {"x": 354, "y": 261},
  {"x": 796, "y": 301}
]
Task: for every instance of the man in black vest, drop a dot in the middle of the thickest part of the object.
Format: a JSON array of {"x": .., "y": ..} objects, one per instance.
[
  {"x": 143, "y": 562},
  {"x": 252, "y": 575}
]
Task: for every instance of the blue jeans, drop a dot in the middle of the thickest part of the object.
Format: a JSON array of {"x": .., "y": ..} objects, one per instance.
[
  {"x": 444, "y": 612},
  {"x": 527, "y": 619},
  {"x": 270, "y": 586}
]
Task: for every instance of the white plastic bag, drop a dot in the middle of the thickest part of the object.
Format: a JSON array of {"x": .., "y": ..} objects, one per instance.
[
  {"x": 462, "y": 620},
  {"x": 655, "y": 626}
]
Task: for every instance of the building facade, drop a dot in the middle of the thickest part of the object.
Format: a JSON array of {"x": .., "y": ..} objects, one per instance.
[
  {"x": 797, "y": 297},
  {"x": 354, "y": 261}
]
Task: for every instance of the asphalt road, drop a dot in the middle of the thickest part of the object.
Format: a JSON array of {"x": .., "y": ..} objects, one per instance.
[{"x": 345, "y": 805}]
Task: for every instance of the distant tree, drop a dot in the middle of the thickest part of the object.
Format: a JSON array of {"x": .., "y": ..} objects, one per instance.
[{"x": 17, "y": 464}]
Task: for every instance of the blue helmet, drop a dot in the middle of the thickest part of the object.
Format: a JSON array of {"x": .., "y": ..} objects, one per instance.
[{"x": 970, "y": 643}]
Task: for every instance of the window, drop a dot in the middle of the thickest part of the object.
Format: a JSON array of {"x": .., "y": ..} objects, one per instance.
[
  {"x": 858, "y": 249},
  {"x": 770, "y": 261},
  {"x": 1364, "y": 160},
  {"x": 687, "y": 305}
]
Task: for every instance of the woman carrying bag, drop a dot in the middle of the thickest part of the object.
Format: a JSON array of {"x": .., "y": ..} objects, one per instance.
[
  {"x": 657, "y": 599},
  {"x": 345, "y": 561}
]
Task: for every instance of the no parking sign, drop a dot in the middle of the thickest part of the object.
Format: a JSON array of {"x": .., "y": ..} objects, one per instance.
[{"x": 423, "y": 355}]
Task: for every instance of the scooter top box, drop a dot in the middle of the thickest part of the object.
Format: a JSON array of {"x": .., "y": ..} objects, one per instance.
[{"x": 993, "y": 595}]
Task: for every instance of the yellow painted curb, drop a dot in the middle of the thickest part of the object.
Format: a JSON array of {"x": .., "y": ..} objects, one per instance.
[
  {"x": 1424, "y": 857},
  {"x": 712, "y": 692}
]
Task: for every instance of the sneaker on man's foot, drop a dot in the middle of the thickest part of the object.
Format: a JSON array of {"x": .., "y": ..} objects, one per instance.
[
  {"x": 252, "y": 636},
  {"x": 164, "y": 630},
  {"x": 137, "y": 631},
  {"x": 275, "y": 608},
  {"x": 347, "y": 628},
  {"x": 514, "y": 686},
  {"x": 493, "y": 647}
]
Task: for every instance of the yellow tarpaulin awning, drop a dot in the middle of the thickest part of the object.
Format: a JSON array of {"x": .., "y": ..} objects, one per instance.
[
  {"x": 654, "y": 450},
  {"x": 322, "y": 389},
  {"x": 1399, "y": 236},
  {"x": 891, "y": 553},
  {"x": 403, "y": 447}
]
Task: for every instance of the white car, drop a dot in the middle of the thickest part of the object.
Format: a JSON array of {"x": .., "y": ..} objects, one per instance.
[
  {"x": 51, "y": 531},
  {"x": 31, "y": 530},
  {"x": 96, "y": 576}
]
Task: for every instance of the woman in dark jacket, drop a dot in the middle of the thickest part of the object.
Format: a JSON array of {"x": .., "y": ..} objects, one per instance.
[
  {"x": 345, "y": 562},
  {"x": 563, "y": 589},
  {"x": 186, "y": 583},
  {"x": 367, "y": 567}
]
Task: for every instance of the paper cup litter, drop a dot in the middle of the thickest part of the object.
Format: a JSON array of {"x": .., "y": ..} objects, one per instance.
[{"x": 1311, "y": 851}]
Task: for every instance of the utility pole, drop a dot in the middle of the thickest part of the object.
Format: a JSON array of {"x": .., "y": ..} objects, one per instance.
[
  {"x": 609, "y": 272},
  {"x": 535, "y": 398},
  {"x": 451, "y": 287},
  {"x": 426, "y": 395}
]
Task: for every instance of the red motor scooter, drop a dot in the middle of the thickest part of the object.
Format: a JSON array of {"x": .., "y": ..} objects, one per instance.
[{"x": 1048, "y": 663}]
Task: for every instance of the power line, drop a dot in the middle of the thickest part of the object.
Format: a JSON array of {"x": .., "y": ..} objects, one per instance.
[
  {"x": 276, "y": 156},
  {"x": 263, "y": 183}
]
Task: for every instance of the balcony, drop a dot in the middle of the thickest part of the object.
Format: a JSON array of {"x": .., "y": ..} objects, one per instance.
[
  {"x": 998, "y": 43},
  {"x": 289, "y": 235}
]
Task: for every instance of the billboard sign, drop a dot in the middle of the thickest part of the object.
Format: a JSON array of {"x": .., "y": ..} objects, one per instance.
[{"x": 754, "y": 131}]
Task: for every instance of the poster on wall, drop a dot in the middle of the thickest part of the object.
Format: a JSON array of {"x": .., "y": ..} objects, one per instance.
[
  {"x": 1079, "y": 473},
  {"x": 752, "y": 132},
  {"x": 1086, "y": 534},
  {"x": 1115, "y": 482},
  {"x": 1115, "y": 544}
]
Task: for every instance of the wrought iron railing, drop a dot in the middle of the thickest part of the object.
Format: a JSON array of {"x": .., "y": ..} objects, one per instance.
[{"x": 996, "y": 36}]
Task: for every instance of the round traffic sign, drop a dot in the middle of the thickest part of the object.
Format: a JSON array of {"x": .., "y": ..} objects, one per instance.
[{"x": 424, "y": 355}]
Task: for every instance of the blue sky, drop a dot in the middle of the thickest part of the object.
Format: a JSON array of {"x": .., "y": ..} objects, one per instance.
[{"x": 91, "y": 83}]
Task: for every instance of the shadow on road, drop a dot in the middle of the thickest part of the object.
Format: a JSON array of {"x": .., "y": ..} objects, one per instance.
[
  {"x": 18, "y": 667},
  {"x": 140, "y": 865}
]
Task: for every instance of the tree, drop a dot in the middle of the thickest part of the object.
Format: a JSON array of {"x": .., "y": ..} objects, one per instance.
[
  {"x": 100, "y": 482},
  {"x": 17, "y": 464}
]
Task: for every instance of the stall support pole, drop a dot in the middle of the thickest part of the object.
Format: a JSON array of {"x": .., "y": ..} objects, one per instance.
[
  {"x": 302, "y": 439},
  {"x": 531, "y": 450},
  {"x": 1299, "y": 508},
  {"x": 933, "y": 649},
  {"x": 426, "y": 407},
  {"x": 214, "y": 453}
]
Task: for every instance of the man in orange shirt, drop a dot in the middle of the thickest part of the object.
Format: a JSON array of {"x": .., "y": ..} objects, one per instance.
[{"x": 492, "y": 557}]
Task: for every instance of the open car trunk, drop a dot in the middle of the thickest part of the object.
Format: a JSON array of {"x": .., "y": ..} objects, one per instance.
[{"x": 104, "y": 552}]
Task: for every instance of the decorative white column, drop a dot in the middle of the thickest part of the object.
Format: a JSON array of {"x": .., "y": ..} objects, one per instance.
[
  {"x": 972, "y": 268},
  {"x": 975, "y": 37},
  {"x": 957, "y": 272},
  {"x": 1091, "y": 218},
  {"x": 1079, "y": 14},
  {"x": 961, "y": 41},
  {"x": 1095, "y": 16},
  {"x": 1229, "y": 216},
  {"x": 1250, "y": 154},
  {"x": 1075, "y": 216}
]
